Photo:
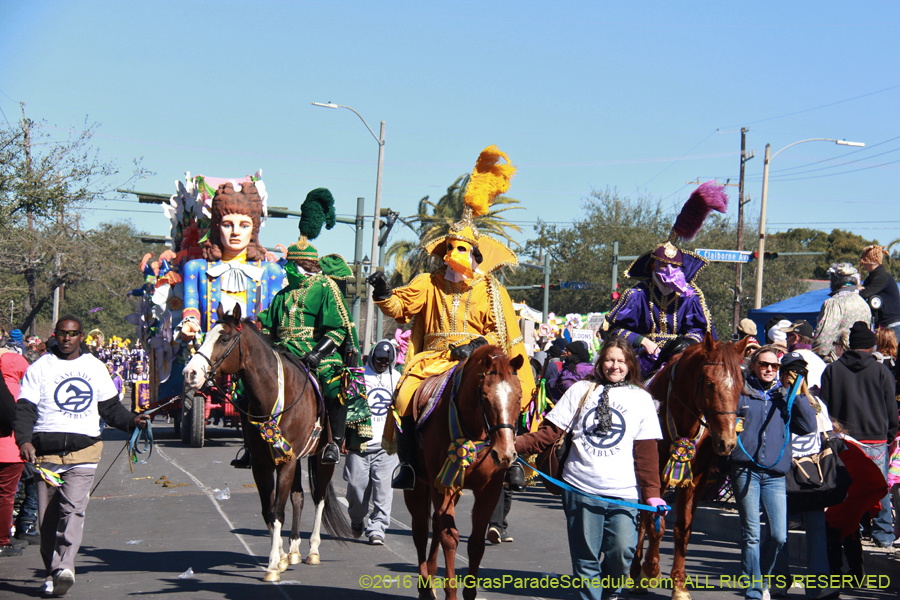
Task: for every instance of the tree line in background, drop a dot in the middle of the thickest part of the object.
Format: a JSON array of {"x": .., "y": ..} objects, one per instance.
[
  {"x": 45, "y": 183},
  {"x": 584, "y": 252}
]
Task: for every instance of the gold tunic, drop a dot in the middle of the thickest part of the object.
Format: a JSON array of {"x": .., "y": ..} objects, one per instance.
[{"x": 448, "y": 313}]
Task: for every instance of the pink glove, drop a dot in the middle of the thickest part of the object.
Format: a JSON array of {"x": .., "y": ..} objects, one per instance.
[{"x": 654, "y": 502}]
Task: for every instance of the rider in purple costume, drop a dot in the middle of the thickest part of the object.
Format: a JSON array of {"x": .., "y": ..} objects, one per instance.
[{"x": 666, "y": 304}]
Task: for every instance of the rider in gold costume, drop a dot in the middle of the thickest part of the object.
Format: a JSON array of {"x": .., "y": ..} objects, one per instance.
[{"x": 457, "y": 308}]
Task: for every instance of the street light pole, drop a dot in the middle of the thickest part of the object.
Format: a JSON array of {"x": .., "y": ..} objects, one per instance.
[
  {"x": 761, "y": 247},
  {"x": 370, "y": 306}
]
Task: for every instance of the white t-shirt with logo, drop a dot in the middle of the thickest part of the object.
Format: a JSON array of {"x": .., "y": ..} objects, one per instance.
[
  {"x": 604, "y": 465},
  {"x": 67, "y": 392},
  {"x": 379, "y": 391},
  {"x": 811, "y": 443}
]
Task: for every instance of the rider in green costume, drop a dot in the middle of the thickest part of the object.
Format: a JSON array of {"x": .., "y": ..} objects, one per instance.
[{"x": 310, "y": 319}]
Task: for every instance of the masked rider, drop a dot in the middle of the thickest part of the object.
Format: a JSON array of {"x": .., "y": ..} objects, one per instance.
[
  {"x": 310, "y": 318},
  {"x": 666, "y": 306},
  {"x": 457, "y": 308}
]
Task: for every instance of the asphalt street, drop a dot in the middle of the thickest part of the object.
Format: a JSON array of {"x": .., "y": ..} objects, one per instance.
[{"x": 141, "y": 538}]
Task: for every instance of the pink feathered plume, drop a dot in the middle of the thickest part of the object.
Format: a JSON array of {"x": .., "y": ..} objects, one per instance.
[{"x": 705, "y": 199}]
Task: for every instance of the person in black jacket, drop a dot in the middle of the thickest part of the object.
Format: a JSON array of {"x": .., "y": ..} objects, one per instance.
[
  {"x": 880, "y": 290},
  {"x": 859, "y": 394},
  {"x": 57, "y": 427}
]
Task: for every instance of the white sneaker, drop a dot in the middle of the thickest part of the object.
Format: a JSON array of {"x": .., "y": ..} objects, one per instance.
[
  {"x": 62, "y": 581},
  {"x": 47, "y": 587},
  {"x": 766, "y": 595}
]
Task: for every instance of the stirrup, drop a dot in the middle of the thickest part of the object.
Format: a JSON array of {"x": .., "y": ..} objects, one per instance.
[
  {"x": 404, "y": 478},
  {"x": 241, "y": 461},
  {"x": 331, "y": 455},
  {"x": 515, "y": 477}
]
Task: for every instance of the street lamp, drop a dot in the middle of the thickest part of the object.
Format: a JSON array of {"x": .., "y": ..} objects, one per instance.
[
  {"x": 760, "y": 261},
  {"x": 370, "y": 306}
]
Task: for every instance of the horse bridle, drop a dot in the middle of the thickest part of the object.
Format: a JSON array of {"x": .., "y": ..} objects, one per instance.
[
  {"x": 700, "y": 417},
  {"x": 209, "y": 380},
  {"x": 489, "y": 429}
]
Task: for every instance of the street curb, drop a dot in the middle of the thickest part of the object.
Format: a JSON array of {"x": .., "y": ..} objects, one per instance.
[{"x": 726, "y": 525}]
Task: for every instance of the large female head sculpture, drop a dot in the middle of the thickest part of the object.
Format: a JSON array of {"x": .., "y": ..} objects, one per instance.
[{"x": 228, "y": 232}]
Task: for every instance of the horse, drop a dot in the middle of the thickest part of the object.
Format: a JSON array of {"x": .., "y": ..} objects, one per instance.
[
  {"x": 487, "y": 404},
  {"x": 235, "y": 346},
  {"x": 698, "y": 392}
]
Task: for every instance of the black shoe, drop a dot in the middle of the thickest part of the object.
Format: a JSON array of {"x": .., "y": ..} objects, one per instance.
[
  {"x": 17, "y": 543},
  {"x": 405, "y": 479},
  {"x": 515, "y": 477},
  {"x": 29, "y": 533},
  {"x": 242, "y": 461},
  {"x": 331, "y": 455}
]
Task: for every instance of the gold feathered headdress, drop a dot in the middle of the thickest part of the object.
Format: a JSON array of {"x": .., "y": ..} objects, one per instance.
[{"x": 489, "y": 179}]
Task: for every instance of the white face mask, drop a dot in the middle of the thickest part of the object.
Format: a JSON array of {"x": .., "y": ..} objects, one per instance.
[{"x": 661, "y": 286}]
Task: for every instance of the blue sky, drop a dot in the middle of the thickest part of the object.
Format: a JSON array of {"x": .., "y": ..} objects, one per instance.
[{"x": 638, "y": 96}]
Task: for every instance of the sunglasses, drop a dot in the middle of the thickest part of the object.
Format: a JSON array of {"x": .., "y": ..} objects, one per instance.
[
  {"x": 64, "y": 334},
  {"x": 767, "y": 365}
]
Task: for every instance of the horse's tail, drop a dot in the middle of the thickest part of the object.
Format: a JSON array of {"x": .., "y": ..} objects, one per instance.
[{"x": 335, "y": 519}]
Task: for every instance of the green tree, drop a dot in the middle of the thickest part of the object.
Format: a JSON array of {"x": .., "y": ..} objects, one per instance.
[
  {"x": 584, "y": 252},
  {"x": 433, "y": 220},
  {"x": 43, "y": 182}
]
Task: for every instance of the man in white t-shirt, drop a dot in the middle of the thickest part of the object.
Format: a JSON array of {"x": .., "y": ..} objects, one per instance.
[
  {"x": 368, "y": 470},
  {"x": 63, "y": 396}
]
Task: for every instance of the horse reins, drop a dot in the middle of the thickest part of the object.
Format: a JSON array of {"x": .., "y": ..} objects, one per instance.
[{"x": 209, "y": 379}]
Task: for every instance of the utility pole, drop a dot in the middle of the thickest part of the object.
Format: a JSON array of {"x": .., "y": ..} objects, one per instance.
[
  {"x": 739, "y": 270},
  {"x": 30, "y": 279}
]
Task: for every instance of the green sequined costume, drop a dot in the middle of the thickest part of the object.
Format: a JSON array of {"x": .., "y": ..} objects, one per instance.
[{"x": 312, "y": 307}]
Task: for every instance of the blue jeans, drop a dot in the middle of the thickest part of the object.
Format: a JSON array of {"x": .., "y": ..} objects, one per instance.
[
  {"x": 754, "y": 489},
  {"x": 595, "y": 527},
  {"x": 28, "y": 512},
  {"x": 882, "y": 523},
  {"x": 816, "y": 554}
]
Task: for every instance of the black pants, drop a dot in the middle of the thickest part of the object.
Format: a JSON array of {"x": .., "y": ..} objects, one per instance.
[{"x": 501, "y": 511}]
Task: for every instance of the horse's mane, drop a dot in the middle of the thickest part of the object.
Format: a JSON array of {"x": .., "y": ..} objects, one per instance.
[{"x": 507, "y": 370}]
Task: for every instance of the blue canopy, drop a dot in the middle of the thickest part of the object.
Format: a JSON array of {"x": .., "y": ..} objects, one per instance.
[{"x": 805, "y": 306}]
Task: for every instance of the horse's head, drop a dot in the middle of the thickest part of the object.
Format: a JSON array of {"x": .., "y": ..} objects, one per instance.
[
  {"x": 720, "y": 387},
  {"x": 216, "y": 352},
  {"x": 500, "y": 396}
]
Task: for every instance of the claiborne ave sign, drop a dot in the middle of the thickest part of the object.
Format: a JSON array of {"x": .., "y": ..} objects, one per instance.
[{"x": 725, "y": 255}]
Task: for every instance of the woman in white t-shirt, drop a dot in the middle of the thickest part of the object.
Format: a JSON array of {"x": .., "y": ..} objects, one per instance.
[{"x": 613, "y": 454}]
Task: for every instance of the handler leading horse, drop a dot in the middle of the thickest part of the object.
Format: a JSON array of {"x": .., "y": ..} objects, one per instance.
[
  {"x": 476, "y": 413},
  {"x": 282, "y": 396},
  {"x": 698, "y": 393}
]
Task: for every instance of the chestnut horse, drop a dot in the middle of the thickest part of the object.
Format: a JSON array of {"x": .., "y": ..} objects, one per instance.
[
  {"x": 699, "y": 388},
  {"x": 232, "y": 347},
  {"x": 487, "y": 404}
]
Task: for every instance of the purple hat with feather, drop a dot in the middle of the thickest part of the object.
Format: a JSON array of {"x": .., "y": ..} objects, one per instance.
[{"x": 705, "y": 199}]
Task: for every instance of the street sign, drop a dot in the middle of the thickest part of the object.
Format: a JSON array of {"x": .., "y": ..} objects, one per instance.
[
  {"x": 725, "y": 255},
  {"x": 576, "y": 285},
  {"x": 545, "y": 330}
]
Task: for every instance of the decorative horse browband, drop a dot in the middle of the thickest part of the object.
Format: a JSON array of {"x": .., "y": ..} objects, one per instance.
[{"x": 269, "y": 429}]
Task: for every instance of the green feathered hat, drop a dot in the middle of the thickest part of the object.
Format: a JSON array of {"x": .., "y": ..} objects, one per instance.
[{"x": 316, "y": 210}]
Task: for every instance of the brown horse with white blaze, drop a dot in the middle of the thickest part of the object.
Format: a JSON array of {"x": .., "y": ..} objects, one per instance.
[
  {"x": 698, "y": 393},
  {"x": 488, "y": 404},
  {"x": 234, "y": 346}
]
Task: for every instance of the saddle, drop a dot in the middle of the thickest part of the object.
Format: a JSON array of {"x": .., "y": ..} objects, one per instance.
[{"x": 427, "y": 395}]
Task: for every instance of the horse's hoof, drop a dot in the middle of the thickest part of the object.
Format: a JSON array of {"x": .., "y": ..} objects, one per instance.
[
  {"x": 680, "y": 595},
  {"x": 312, "y": 559},
  {"x": 294, "y": 558},
  {"x": 638, "y": 589},
  {"x": 283, "y": 564},
  {"x": 272, "y": 576}
]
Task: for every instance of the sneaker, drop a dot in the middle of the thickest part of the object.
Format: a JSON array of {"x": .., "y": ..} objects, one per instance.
[
  {"x": 47, "y": 587},
  {"x": 896, "y": 543},
  {"x": 18, "y": 543},
  {"x": 506, "y": 538},
  {"x": 7, "y": 551},
  {"x": 62, "y": 581},
  {"x": 30, "y": 533},
  {"x": 376, "y": 540},
  {"x": 494, "y": 535},
  {"x": 765, "y": 595},
  {"x": 356, "y": 529}
]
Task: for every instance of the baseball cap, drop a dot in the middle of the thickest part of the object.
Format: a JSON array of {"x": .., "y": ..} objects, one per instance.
[{"x": 801, "y": 327}]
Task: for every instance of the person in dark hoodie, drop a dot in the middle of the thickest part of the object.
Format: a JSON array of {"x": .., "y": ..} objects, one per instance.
[
  {"x": 759, "y": 463},
  {"x": 57, "y": 426},
  {"x": 859, "y": 393},
  {"x": 576, "y": 365}
]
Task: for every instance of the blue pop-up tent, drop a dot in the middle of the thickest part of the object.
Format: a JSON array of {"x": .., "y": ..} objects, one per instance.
[{"x": 805, "y": 306}]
